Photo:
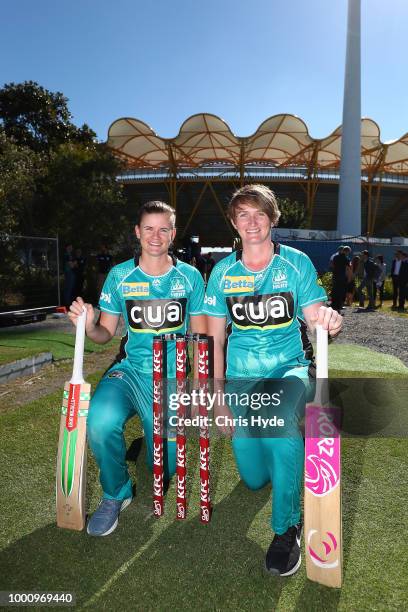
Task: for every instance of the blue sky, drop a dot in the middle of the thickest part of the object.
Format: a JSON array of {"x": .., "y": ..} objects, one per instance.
[{"x": 164, "y": 60}]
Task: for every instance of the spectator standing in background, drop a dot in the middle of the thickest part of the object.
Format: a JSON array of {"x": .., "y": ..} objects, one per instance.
[
  {"x": 403, "y": 282},
  {"x": 105, "y": 262},
  {"x": 338, "y": 252},
  {"x": 379, "y": 283},
  {"x": 351, "y": 279},
  {"x": 347, "y": 253},
  {"x": 340, "y": 264},
  {"x": 370, "y": 275},
  {"x": 395, "y": 270}
]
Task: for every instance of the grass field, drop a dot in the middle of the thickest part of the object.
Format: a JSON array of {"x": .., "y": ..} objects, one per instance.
[
  {"x": 22, "y": 343},
  {"x": 150, "y": 564}
]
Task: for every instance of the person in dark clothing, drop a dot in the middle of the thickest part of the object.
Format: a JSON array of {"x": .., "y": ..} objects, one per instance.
[
  {"x": 105, "y": 262},
  {"x": 370, "y": 276},
  {"x": 403, "y": 282},
  {"x": 340, "y": 264},
  {"x": 395, "y": 270},
  {"x": 351, "y": 280},
  {"x": 378, "y": 286}
]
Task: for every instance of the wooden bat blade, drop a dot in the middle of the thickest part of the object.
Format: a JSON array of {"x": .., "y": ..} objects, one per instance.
[
  {"x": 72, "y": 457},
  {"x": 322, "y": 503}
]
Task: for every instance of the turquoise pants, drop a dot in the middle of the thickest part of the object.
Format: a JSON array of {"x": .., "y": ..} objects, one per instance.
[
  {"x": 122, "y": 394},
  {"x": 274, "y": 456}
]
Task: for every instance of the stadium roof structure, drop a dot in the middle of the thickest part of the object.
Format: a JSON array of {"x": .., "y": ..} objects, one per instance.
[{"x": 282, "y": 141}]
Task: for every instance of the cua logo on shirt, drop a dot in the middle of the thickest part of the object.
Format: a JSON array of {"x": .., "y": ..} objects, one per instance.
[
  {"x": 150, "y": 316},
  {"x": 269, "y": 311}
]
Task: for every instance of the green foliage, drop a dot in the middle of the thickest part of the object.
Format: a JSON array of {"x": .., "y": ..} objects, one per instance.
[
  {"x": 326, "y": 281},
  {"x": 54, "y": 177},
  {"x": 80, "y": 198},
  {"x": 293, "y": 214},
  {"x": 388, "y": 290},
  {"x": 37, "y": 118},
  {"x": 20, "y": 168}
]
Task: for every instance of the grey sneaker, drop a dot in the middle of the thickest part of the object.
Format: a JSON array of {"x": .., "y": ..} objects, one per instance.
[{"x": 105, "y": 518}]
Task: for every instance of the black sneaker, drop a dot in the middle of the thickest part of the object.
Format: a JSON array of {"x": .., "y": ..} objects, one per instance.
[{"x": 283, "y": 557}]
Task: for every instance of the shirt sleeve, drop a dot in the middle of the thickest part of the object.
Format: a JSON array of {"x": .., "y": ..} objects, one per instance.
[
  {"x": 214, "y": 301},
  {"x": 197, "y": 295},
  {"x": 109, "y": 300},
  {"x": 311, "y": 289}
]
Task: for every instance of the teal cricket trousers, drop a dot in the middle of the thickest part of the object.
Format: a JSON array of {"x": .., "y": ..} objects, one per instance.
[
  {"x": 273, "y": 456},
  {"x": 122, "y": 394}
]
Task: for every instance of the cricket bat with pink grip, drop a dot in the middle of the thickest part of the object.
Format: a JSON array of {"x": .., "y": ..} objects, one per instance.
[
  {"x": 72, "y": 446},
  {"x": 322, "y": 502}
]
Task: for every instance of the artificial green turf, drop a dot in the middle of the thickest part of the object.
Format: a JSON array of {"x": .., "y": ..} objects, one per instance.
[
  {"x": 22, "y": 343},
  {"x": 150, "y": 564},
  {"x": 362, "y": 361}
]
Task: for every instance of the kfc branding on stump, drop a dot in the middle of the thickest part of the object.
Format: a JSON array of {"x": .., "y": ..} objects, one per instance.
[{"x": 181, "y": 457}]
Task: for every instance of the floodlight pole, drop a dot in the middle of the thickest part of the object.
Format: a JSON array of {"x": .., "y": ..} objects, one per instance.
[{"x": 349, "y": 206}]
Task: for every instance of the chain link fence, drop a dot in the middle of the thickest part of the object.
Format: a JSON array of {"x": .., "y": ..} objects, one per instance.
[{"x": 29, "y": 273}]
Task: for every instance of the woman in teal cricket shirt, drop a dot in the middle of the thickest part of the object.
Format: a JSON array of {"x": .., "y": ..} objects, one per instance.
[{"x": 267, "y": 293}]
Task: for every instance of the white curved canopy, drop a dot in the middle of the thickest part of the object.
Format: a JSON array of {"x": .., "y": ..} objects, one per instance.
[{"x": 280, "y": 141}]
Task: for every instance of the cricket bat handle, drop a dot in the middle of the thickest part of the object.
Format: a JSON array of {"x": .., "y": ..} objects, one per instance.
[
  {"x": 322, "y": 362},
  {"x": 77, "y": 371}
]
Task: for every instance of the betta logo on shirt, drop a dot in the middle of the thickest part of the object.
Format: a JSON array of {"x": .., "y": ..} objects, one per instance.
[
  {"x": 239, "y": 284},
  {"x": 135, "y": 289},
  {"x": 270, "y": 311},
  {"x": 150, "y": 316}
]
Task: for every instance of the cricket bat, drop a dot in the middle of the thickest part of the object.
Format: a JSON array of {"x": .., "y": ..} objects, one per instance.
[
  {"x": 72, "y": 447},
  {"x": 322, "y": 503}
]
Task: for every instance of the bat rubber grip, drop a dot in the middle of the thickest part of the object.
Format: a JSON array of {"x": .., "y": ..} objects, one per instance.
[
  {"x": 77, "y": 372},
  {"x": 322, "y": 336}
]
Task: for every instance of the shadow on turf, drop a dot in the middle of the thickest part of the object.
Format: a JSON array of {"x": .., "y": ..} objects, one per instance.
[
  {"x": 318, "y": 596},
  {"x": 188, "y": 566}
]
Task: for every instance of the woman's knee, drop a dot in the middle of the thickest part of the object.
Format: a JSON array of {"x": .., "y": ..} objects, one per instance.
[
  {"x": 104, "y": 419},
  {"x": 250, "y": 464},
  {"x": 254, "y": 481}
]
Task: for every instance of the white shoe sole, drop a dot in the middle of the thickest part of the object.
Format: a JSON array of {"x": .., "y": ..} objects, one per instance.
[
  {"x": 124, "y": 505},
  {"x": 295, "y": 568},
  {"x": 275, "y": 572}
]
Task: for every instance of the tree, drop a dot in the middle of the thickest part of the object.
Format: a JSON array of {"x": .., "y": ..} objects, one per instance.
[
  {"x": 37, "y": 118},
  {"x": 79, "y": 197},
  {"x": 292, "y": 213},
  {"x": 54, "y": 177},
  {"x": 20, "y": 169}
]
